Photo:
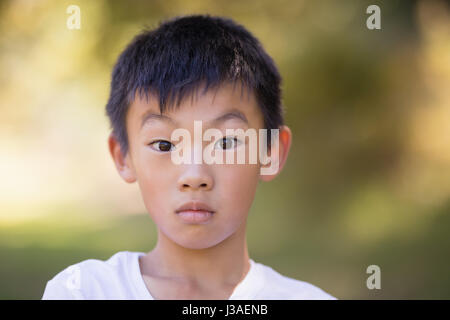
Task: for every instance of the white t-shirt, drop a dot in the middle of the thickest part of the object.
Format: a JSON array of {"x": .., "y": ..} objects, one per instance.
[{"x": 120, "y": 277}]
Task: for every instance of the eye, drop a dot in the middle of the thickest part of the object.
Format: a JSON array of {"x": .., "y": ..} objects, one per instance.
[
  {"x": 227, "y": 143},
  {"x": 161, "y": 145}
]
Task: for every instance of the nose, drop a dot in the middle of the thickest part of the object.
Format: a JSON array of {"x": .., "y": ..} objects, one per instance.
[{"x": 195, "y": 177}]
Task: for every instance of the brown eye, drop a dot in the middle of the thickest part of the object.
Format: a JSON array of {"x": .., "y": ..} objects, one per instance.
[
  {"x": 162, "y": 145},
  {"x": 227, "y": 143}
]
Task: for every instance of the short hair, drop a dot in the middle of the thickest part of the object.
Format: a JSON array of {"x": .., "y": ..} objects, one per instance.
[{"x": 181, "y": 54}]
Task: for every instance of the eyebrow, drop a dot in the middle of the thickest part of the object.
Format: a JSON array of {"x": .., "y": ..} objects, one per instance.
[
  {"x": 234, "y": 114},
  {"x": 148, "y": 116}
]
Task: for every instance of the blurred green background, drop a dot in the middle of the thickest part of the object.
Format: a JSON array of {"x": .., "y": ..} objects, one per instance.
[{"x": 368, "y": 177}]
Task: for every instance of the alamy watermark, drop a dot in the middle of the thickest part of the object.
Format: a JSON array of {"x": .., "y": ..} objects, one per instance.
[
  {"x": 74, "y": 20},
  {"x": 374, "y": 20},
  {"x": 73, "y": 280},
  {"x": 257, "y": 147},
  {"x": 373, "y": 281}
]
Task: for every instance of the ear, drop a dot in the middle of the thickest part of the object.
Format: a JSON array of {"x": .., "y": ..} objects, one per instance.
[
  {"x": 277, "y": 159},
  {"x": 123, "y": 163}
]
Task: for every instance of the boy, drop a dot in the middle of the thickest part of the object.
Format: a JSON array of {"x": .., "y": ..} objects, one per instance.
[{"x": 190, "y": 69}]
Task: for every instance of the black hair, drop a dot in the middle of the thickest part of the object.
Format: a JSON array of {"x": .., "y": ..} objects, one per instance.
[{"x": 184, "y": 52}]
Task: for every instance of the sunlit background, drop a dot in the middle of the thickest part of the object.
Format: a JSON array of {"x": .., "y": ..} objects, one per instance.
[{"x": 367, "y": 181}]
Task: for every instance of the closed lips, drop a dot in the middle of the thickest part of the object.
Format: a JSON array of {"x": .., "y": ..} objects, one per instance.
[{"x": 195, "y": 206}]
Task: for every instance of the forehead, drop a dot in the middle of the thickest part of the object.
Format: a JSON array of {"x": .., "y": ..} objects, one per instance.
[{"x": 229, "y": 101}]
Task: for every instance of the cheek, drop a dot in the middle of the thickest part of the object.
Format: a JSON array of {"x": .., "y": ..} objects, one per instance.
[
  {"x": 154, "y": 179},
  {"x": 237, "y": 186}
]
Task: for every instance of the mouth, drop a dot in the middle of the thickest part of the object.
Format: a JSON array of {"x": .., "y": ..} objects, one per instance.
[
  {"x": 195, "y": 212},
  {"x": 195, "y": 206}
]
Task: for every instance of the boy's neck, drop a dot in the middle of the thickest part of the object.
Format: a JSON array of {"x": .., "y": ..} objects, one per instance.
[{"x": 224, "y": 264}]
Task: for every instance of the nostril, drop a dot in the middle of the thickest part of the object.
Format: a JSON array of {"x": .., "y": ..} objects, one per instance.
[{"x": 188, "y": 185}]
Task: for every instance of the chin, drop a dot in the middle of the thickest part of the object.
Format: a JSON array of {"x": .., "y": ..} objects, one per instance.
[{"x": 199, "y": 242}]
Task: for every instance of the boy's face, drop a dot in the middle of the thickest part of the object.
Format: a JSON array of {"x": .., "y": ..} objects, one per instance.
[{"x": 228, "y": 189}]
